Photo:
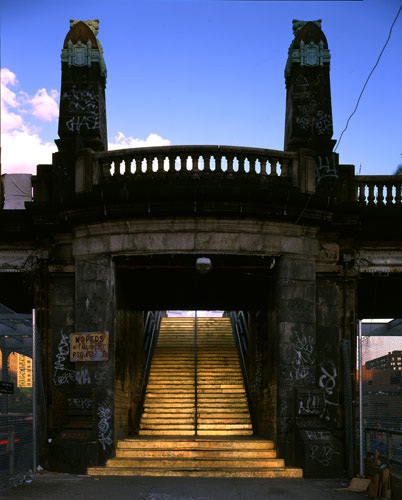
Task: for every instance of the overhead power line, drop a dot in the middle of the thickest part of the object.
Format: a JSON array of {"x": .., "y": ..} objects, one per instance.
[{"x": 368, "y": 78}]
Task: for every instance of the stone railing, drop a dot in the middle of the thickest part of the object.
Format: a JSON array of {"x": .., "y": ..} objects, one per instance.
[
  {"x": 95, "y": 168},
  {"x": 379, "y": 190}
]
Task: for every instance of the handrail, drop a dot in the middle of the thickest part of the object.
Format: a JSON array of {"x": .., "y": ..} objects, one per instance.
[
  {"x": 240, "y": 328},
  {"x": 389, "y": 432},
  {"x": 195, "y": 376},
  {"x": 151, "y": 331}
]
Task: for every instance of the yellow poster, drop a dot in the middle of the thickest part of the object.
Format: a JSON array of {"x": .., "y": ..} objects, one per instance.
[{"x": 90, "y": 346}]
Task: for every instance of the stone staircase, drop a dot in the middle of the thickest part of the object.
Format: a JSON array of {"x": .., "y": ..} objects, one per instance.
[{"x": 168, "y": 444}]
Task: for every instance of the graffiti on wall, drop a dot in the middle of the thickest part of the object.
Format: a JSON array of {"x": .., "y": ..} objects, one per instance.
[
  {"x": 61, "y": 374},
  {"x": 302, "y": 355},
  {"x": 327, "y": 381},
  {"x": 104, "y": 425}
]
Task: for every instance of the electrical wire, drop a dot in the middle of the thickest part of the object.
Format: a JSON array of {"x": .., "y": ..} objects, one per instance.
[{"x": 371, "y": 72}]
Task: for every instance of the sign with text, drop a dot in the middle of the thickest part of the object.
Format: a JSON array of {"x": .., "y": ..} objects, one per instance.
[{"x": 91, "y": 346}]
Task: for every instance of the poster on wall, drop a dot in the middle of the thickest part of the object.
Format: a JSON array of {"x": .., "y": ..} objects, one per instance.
[{"x": 89, "y": 346}]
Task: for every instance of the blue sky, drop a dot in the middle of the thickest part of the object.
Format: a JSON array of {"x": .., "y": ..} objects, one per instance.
[{"x": 202, "y": 72}]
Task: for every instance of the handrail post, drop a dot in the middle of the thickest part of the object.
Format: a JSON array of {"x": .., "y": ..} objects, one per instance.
[{"x": 195, "y": 375}]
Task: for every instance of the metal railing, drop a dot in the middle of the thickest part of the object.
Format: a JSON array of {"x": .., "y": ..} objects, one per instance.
[
  {"x": 151, "y": 331},
  {"x": 240, "y": 333},
  {"x": 195, "y": 376},
  {"x": 390, "y": 449}
]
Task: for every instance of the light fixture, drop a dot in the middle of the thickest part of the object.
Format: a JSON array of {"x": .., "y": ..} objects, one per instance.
[{"x": 203, "y": 265}]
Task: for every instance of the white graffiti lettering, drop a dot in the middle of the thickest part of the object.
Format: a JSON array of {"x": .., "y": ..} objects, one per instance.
[
  {"x": 104, "y": 431},
  {"x": 322, "y": 454},
  {"x": 81, "y": 100},
  {"x": 63, "y": 350},
  {"x": 315, "y": 435},
  {"x": 76, "y": 123},
  {"x": 302, "y": 357},
  {"x": 82, "y": 376},
  {"x": 327, "y": 381},
  {"x": 309, "y": 406},
  {"x": 81, "y": 403}
]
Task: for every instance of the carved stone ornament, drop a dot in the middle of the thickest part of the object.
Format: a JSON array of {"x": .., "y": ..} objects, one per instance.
[
  {"x": 92, "y": 24},
  {"x": 298, "y": 25},
  {"x": 81, "y": 54}
]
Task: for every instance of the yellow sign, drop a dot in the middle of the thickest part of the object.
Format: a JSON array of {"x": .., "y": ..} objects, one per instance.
[{"x": 92, "y": 346}]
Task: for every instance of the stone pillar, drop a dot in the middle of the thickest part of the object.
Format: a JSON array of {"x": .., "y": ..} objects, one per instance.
[
  {"x": 95, "y": 307},
  {"x": 328, "y": 348},
  {"x": 296, "y": 320}
]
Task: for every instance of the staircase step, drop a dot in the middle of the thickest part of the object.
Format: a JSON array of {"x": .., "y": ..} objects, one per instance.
[
  {"x": 173, "y": 463},
  {"x": 194, "y": 453},
  {"x": 197, "y": 472}
]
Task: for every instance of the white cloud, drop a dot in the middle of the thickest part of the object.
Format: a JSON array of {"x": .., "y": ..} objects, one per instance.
[
  {"x": 22, "y": 147},
  {"x": 44, "y": 105},
  {"x": 123, "y": 142},
  {"x": 21, "y": 151}
]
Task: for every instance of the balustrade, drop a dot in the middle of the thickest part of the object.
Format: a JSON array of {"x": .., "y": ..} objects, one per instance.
[
  {"x": 379, "y": 190},
  {"x": 193, "y": 160}
]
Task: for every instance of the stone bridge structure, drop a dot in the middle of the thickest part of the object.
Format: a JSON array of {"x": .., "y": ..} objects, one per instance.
[{"x": 295, "y": 239}]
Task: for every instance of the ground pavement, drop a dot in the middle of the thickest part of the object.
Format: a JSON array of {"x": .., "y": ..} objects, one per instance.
[{"x": 51, "y": 486}]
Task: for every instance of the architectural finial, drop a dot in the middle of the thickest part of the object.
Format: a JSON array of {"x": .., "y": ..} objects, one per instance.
[{"x": 92, "y": 24}]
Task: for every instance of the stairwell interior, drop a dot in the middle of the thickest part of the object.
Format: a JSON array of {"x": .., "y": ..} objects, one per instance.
[{"x": 196, "y": 420}]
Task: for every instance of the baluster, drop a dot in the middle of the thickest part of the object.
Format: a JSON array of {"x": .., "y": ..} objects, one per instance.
[
  {"x": 398, "y": 193},
  {"x": 161, "y": 160},
  {"x": 362, "y": 193},
  {"x": 390, "y": 197},
  {"x": 229, "y": 159},
  {"x": 380, "y": 194},
  {"x": 207, "y": 163},
  {"x": 241, "y": 159},
  {"x": 218, "y": 162},
  {"x": 127, "y": 163},
  {"x": 273, "y": 161},
  {"x": 183, "y": 163},
  {"x": 117, "y": 167},
  {"x": 371, "y": 197},
  {"x": 195, "y": 158},
  {"x": 251, "y": 161},
  {"x": 263, "y": 163},
  {"x": 172, "y": 163},
  {"x": 138, "y": 161}
]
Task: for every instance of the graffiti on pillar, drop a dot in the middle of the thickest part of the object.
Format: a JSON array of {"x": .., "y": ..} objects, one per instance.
[
  {"x": 322, "y": 453},
  {"x": 326, "y": 167},
  {"x": 104, "y": 425},
  {"x": 302, "y": 353},
  {"x": 327, "y": 381},
  {"x": 61, "y": 374},
  {"x": 82, "y": 106},
  {"x": 81, "y": 100},
  {"x": 309, "y": 402},
  {"x": 100, "y": 377},
  {"x": 79, "y": 123},
  {"x": 82, "y": 376}
]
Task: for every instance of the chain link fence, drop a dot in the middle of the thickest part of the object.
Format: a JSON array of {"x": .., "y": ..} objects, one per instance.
[
  {"x": 381, "y": 389},
  {"x": 16, "y": 396}
]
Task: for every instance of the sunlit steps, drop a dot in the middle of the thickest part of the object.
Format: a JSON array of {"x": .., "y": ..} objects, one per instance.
[{"x": 196, "y": 457}]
